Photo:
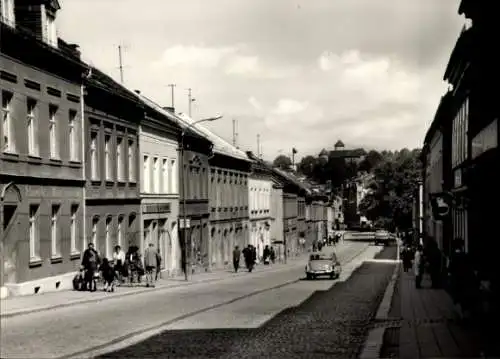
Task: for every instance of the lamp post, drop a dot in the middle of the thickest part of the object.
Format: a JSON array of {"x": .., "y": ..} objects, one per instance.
[{"x": 187, "y": 268}]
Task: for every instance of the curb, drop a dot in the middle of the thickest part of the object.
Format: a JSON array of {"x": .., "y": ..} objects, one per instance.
[
  {"x": 375, "y": 339},
  {"x": 16, "y": 313}
]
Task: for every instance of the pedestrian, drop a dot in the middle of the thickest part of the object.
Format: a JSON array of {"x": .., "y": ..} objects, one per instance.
[
  {"x": 119, "y": 262},
  {"x": 406, "y": 257},
  {"x": 248, "y": 255},
  {"x": 150, "y": 262},
  {"x": 266, "y": 255},
  {"x": 236, "y": 258},
  {"x": 90, "y": 263},
  {"x": 158, "y": 265},
  {"x": 419, "y": 266},
  {"x": 108, "y": 275},
  {"x": 273, "y": 255}
]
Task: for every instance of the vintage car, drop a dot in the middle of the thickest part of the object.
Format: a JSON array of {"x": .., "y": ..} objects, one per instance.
[
  {"x": 382, "y": 237},
  {"x": 323, "y": 264}
]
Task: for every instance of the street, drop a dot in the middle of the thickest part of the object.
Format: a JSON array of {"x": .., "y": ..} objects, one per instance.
[{"x": 210, "y": 319}]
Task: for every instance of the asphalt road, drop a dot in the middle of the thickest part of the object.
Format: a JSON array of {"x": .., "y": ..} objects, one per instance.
[{"x": 72, "y": 330}]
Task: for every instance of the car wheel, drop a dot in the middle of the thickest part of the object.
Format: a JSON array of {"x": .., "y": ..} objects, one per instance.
[
  {"x": 332, "y": 276},
  {"x": 309, "y": 277}
]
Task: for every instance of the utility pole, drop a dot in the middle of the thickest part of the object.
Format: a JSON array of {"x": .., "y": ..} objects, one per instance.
[
  {"x": 190, "y": 101},
  {"x": 120, "y": 62},
  {"x": 235, "y": 133},
  {"x": 172, "y": 86}
]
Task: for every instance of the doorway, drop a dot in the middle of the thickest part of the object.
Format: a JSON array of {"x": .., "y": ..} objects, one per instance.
[{"x": 10, "y": 200}]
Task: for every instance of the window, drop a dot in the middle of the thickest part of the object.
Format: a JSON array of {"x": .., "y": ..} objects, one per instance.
[
  {"x": 95, "y": 235},
  {"x": 32, "y": 127},
  {"x": 7, "y": 123},
  {"x": 33, "y": 232},
  {"x": 131, "y": 161},
  {"x": 173, "y": 176},
  {"x": 119, "y": 159},
  {"x": 147, "y": 177},
  {"x": 94, "y": 173},
  {"x": 73, "y": 228},
  {"x": 107, "y": 238},
  {"x": 107, "y": 158},
  {"x": 50, "y": 29},
  {"x": 54, "y": 240},
  {"x": 73, "y": 144},
  {"x": 54, "y": 153},
  {"x": 7, "y": 12},
  {"x": 120, "y": 232},
  {"x": 156, "y": 176},
  {"x": 165, "y": 176}
]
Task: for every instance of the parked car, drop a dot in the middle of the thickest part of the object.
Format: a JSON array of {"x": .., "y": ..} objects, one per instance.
[
  {"x": 322, "y": 264},
  {"x": 382, "y": 237}
]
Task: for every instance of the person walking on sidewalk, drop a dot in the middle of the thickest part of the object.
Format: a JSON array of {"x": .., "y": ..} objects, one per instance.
[
  {"x": 236, "y": 258},
  {"x": 248, "y": 254},
  {"x": 90, "y": 262},
  {"x": 150, "y": 262},
  {"x": 158, "y": 265},
  {"x": 419, "y": 266},
  {"x": 119, "y": 263}
]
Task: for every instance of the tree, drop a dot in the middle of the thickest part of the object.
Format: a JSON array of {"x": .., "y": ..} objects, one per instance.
[
  {"x": 306, "y": 166},
  {"x": 392, "y": 197},
  {"x": 371, "y": 160},
  {"x": 283, "y": 162}
]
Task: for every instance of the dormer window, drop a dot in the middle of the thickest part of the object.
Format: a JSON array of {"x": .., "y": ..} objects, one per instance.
[
  {"x": 50, "y": 32},
  {"x": 7, "y": 12}
]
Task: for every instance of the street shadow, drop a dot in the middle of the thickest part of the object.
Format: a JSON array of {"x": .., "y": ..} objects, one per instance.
[{"x": 329, "y": 323}]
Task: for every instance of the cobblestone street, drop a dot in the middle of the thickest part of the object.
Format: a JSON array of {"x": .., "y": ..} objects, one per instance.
[{"x": 330, "y": 324}]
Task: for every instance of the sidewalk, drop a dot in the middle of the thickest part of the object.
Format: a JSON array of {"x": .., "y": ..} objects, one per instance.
[
  {"x": 13, "y": 306},
  {"x": 426, "y": 324}
]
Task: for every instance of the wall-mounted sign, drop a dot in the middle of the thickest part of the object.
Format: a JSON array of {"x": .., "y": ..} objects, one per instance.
[
  {"x": 156, "y": 208},
  {"x": 485, "y": 140}
]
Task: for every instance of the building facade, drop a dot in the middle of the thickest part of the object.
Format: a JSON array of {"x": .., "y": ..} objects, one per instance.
[
  {"x": 337, "y": 212},
  {"x": 277, "y": 238},
  {"x": 41, "y": 159},
  {"x": 260, "y": 185},
  {"x": 158, "y": 143},
  {"x": 228, "y": 199},
  {"x": 112, "y": 117}
]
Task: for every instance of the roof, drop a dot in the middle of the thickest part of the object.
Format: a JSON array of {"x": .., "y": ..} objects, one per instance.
[
  {"x": 221, "y": 146},
  {"x": 439, "y": 117},
  {"x": 105, "y": 82},
  {"x": 171, "y": 116},
  {"x": 355, "y": 153},
  {"x": 293, "y": 179},
  {"x": 339, "y": 144}
]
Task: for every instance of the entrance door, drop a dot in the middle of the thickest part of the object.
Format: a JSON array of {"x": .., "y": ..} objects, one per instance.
[
  {"x": 11, "y": 200},
  {"x": 162, "y": 245}
]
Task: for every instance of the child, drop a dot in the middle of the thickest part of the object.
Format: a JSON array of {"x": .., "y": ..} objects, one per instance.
[
  {"x": 108, "y": 275},
  {"x": 79, "y": 280}
]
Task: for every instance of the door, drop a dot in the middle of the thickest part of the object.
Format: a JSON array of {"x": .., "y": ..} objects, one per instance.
[
  {"x": 10, "y": 199},
  {"x": 163, "y": 243}
]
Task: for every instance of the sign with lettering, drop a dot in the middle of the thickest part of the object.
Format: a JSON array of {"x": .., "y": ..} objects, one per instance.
[
  {"x": 184, "y": 225},
  {"x": 458, "y": 178},
  {"x": 485, "y": 140},
  {"x": 156, "y": 208}
]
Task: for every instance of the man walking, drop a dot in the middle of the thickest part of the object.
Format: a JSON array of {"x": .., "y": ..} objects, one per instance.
[
  {"x": 236, "y": 258},
  {"x": 150, "y": 262}
]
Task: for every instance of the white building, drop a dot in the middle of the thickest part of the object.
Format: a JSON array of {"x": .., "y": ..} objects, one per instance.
[
  {"x": 160, "y": 188},
  {"x": 260, "y": 189}
]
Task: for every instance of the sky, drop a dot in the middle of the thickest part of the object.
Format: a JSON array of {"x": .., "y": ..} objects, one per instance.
[{"x": 300, "y": 74}]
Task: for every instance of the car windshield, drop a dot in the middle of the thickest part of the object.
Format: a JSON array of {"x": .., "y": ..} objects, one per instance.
[{"x": 320, "y": 257}]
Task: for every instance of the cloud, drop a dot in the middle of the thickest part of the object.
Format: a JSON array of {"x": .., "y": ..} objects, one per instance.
[
  {"x": 255, "y": 103},
  {"x": 288, "y": 106},
  {"x": 243, "y": 65},
  {"x": 194, "y": 56}
]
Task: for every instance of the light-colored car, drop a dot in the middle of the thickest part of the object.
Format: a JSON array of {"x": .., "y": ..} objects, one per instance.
[
  {"x": 323, "y": 264},
  {"x": 382, "y": 237}
]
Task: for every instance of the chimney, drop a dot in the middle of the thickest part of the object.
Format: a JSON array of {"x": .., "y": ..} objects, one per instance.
[
  {"x": 137, "y": 92},
  {"x": 169, "y": 109},
  {"x": 38, "y": 17}
]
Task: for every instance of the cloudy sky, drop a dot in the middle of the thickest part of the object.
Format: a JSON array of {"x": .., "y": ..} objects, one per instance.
[{"x": 299, "y": 73}]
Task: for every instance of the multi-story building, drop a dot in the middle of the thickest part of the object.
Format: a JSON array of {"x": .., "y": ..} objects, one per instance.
[
  {"x": 277, "y": 237},
  {"x": 302, "y": 222},
  {"x": 260, "y": 186},
  {"x": 337, "y": 212},
  {"x": 228, "y": 199},
  {"x": 194, "y": 194},
  {"x": 41, "y": 159},
  {"x": 158, "y": 143},
  {"x": 112, "y": 118}
]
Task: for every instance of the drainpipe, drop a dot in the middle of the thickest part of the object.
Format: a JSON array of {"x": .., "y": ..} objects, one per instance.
[{"x": 84, "y": 139}]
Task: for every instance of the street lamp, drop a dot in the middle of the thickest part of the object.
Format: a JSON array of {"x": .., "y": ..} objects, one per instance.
[{"x": 187, "y": 268}]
